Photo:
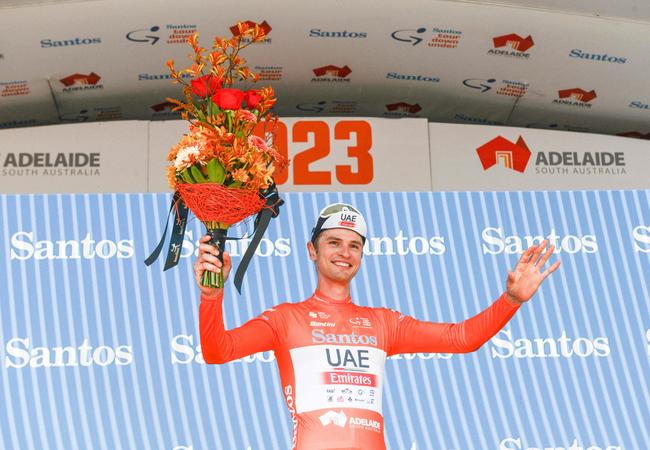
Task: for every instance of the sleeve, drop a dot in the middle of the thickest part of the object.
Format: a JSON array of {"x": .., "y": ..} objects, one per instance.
[
  {"x": 408, "y": 335},
  {"x": 220, "y": 346}
]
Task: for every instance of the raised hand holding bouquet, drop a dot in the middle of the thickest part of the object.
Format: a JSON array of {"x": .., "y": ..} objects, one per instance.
[{"x": 220, "y": 169}]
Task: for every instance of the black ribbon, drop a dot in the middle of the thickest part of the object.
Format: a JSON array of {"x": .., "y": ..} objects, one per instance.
[
  {"x": 218, "y": 239},
  {"x": 218, "y": 236},
  {"x": 178, "y": 233},
  {"x": 271, "y": 209}
]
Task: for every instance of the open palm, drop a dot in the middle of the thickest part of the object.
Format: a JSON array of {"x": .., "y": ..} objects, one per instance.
[{"x": 528, "y": 275}]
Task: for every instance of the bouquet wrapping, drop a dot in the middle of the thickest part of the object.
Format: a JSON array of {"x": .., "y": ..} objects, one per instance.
[{"x": 223, "y": 168}]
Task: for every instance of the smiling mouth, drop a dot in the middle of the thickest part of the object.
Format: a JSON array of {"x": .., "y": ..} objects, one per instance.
[{"x": 342, "y": 264}]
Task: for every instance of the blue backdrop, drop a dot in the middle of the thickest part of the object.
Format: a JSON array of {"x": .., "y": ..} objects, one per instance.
[{"x": 101, "y": 352}]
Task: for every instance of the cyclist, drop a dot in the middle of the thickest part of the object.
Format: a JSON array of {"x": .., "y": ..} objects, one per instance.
[{"x": 330, "y": 351}]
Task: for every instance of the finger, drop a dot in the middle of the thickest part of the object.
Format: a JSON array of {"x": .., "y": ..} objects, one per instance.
[
  {"x": 551, "y": 269},
  {"x": 210, "y": 267},
  {"x": 207, "y": 257},
  {"x": 536, "y": 252},
  {"x": 511, "y": 276},
  {"x": 545, "y": 257},
  {"x": 526, "y": 255},
  {"x": 205, "y": 238},
  {"x": 207, "y": 248}
]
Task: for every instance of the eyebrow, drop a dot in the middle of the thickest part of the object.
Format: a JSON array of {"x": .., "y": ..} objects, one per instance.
[{"x": 355, "y": 241}]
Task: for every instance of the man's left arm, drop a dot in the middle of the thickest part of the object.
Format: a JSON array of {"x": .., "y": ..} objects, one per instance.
[
  {"x": 416, "y": 336},
  {"x": 413, "y": 336}
]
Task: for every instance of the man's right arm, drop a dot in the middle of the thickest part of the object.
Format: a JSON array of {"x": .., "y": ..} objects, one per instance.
[{"x": 220, "y": 346}]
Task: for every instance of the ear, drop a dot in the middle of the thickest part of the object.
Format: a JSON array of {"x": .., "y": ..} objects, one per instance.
[{"x": 311, "y": 250}]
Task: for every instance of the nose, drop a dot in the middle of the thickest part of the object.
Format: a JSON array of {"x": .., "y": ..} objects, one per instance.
[{"x": 345, "y": 250}]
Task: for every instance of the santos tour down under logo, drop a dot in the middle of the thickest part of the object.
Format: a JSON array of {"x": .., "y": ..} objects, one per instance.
[{"x": 500, "y": 150}]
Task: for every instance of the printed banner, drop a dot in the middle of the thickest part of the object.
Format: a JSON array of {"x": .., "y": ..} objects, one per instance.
[
  {"x": 329, "y": 154},
  {"x": 460, "y": 62},
  {"x": 471, "y": 157},
  {"x": 99, "y": 351},
  {"x": 78, "y": 158}
]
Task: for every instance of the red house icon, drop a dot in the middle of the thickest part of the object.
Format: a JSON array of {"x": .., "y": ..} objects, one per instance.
[
  {"x": 264, "y": 26},
  {"x": 163, "y": 106},
  {"x": 404, "y": 107},
  {"x": 333, "y": 71},
  {"x": 512, "y": 155},
  {"x": 79, "y": 78},
  {"x": 515, "y": 41},
  {"x": 635, "y": 134},
  {"x": 578, "y": 94}
]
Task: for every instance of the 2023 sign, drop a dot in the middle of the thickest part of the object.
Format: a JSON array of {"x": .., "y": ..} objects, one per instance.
[{"x": 358, "y": 133}]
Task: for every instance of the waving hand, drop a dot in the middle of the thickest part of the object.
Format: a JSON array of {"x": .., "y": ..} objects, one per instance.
[{"x": 529, "y": 273}]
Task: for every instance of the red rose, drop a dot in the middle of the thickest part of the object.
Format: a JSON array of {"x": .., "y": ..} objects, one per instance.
[
  {"x": 228, "y": 98},
  {"x": 253, "y": 98},
  {"x": 206, "y": 85}
]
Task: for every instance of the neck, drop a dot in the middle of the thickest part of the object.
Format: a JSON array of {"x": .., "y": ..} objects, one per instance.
[{"x": 335, "y": 291}]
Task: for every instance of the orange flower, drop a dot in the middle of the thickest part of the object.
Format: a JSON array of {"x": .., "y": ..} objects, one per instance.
[{"x": 240, "y": 175}]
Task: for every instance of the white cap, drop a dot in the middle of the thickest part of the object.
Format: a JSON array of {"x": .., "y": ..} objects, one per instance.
[{"x": 340, "y": 215}]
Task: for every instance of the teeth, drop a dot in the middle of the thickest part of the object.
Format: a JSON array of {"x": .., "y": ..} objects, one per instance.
[{"x": 342, "y": 264}]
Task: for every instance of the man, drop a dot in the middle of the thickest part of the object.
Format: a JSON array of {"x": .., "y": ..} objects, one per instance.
[{"x": 327, "y": 347}]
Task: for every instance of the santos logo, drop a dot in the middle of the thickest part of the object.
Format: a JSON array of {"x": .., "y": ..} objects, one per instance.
[
  {"x": 20, "y": 354},
  {"x": 516, "y": 444},
  {"x": 403, "y": 245},
  {"x": 641, "y": 235},
  {"x": 279, "y": 247},
  {"x": 24, "y": 246},
  {"x": 503, "y": 346},
  {"x": 495, "y": 243},
  {"x": 185, "y": 352}
]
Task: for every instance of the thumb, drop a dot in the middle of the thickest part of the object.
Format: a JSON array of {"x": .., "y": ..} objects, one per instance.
[{"x": 511, "y": 277}]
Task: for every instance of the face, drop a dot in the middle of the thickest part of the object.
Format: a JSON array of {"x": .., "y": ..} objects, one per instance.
[{"x": 338, "y": 256}]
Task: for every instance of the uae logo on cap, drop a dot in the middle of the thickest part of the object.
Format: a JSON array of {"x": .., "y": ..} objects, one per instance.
[
  {"x": 513, "y": 155},
  {"x": 348, "y": 220}
]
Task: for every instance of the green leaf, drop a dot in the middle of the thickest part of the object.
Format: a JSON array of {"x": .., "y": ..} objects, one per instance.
[
  {"x": 216, "y": 172},
  {"x": 235, "y": 184},
  {"x": 187, "y": 176},
  {"x": 197, "y": 174}
]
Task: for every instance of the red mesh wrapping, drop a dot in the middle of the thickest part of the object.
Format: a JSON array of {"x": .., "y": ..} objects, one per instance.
[{"x": 211, "y": 202}]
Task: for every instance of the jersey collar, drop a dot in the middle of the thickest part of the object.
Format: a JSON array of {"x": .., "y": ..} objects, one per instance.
[{"x": 322, "y": 298}]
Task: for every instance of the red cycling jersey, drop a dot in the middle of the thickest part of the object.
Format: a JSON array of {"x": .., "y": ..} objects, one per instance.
[{"x": 331, "y": 356}]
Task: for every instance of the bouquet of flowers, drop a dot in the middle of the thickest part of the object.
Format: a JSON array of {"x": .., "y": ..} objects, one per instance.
[{"x": 222, "y": 169}]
